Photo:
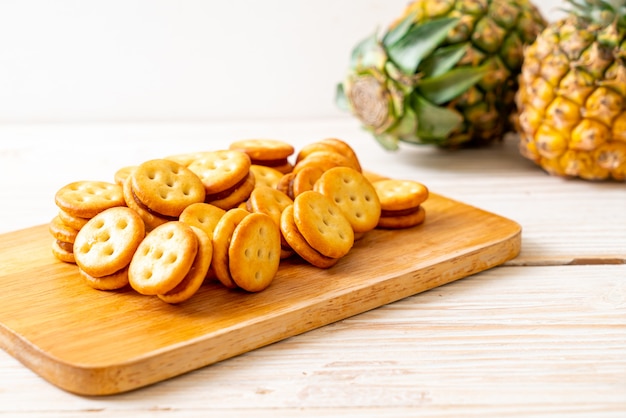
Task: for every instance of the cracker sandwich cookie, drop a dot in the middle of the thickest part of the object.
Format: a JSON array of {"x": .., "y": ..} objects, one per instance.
[
  {"x": 64, "y": 237},
  {"x": 163, "y": 259},
  {"x": 246, "y": 250},
  {"x": 266, "y": 152},
  {"x": 78, "y": 202},
  {"x": 194, "y": 278},
  {"x": 221, "y": 243},
  {"x": 254, "y": 252},
  {"x": 332, "y": 145},
  {"x": 322, "y": 224},
  {"x": 105, "y": 246},
  {"x": 299, "y": 245},
  {"x": 355, "y": 196},
  {"x": 165, "y": 187},
  {"x": 226, "y": 177},
  {"x": 401, "y": 203},
  {"x": 86, "y": 198},
  {"x": 271, "y": 202},
  {"x": 266, "y": 176}
]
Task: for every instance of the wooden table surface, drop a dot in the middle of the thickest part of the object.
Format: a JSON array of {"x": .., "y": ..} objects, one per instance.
[{"x": 543, "y": 335}]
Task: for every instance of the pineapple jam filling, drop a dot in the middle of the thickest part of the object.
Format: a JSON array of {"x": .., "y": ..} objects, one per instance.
[
  {"x": 66, "y": 246},
  {"x": 150, "y": 210},
  {"x": 403, "y": 212},
  {"x": 270, "y": 163},
  {"x": 225, "y": 193}
]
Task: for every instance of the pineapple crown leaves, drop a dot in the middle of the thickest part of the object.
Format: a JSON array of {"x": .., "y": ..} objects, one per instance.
[
  {"x": 408, "y": 44},
  {"x": 603, "y": 12},
  {"x": 415, "y": 73}
]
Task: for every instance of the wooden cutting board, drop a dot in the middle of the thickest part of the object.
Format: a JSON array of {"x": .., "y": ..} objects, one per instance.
[{"x": 94, "y": 342}]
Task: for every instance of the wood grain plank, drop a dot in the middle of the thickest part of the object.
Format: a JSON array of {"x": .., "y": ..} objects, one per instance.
[{"x": 510, "y": 342}]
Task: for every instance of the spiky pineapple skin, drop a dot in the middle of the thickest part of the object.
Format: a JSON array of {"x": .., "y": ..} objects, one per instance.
[
  {"x": 572, "y": 101},
  {"x": 496, "y": 31}
]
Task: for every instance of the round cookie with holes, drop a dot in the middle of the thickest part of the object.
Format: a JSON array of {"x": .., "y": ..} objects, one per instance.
[
  {"x": 266, "y": 152},
  {"x": 401, "y": 203},
  {"x": 163, "y": 258},
  {"x": 266, "y": 176},
  {"x": 221, "y": 170},
  {"x": 333, "y": 145},
  {"x": 166, "y": 187},
  {"x": 299, "y": 245},
  {"x": 197, "y": 273},
  {"x": 254, "y": 252},
  {"x": 202, "y": 215},
  {"x": 322, "y": 224},
  {"x": 86, "y": 198},
  {"x": 269, "y": 201},
  {"x": 355, "y": 196},
  {"x": 107, "y": 243}
]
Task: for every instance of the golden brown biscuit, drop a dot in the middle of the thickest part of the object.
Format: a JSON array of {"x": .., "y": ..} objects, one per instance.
[
  {"x": 150, "y": 219},
  {"x": 269, "y": 201},
  {"x": 221, "y": 170},
  {"x": 72, "y": 221},
  {"x": 254, "y": 252},
  {"x": 332, "y": 145},
  {"x": 85, "y": 199},
  {"x": 266, "y": 152},
  {"x": 61, "y": 231},
  {"x": 299, "y": 245},
  {"x": 344, "y": 149},
  {"x": 354, "y": 194},
  {"x": 324, "y": 160},
  {"x": 197, "y": 273},
  {"x": 305, "y": 179},
  {"x": 285, "y": 184},
  {"x": 395, "y": 194},
  {"x": 263, "y": 149},
  {"x": 202, "y": 215},
  {"x": 266, "y": 176},
  {"x": 63, "y": 251},
  {"x": 166, "y": 187},
  {"x": 233, "y": 197},
  {"x": 221, "y": 242},
  {"x": 322, "y": 224},
  {"x": 163, "y": 258},
  {"x": 187, "y": 158},
  {"x": 107, "y": 243},
  {"x": 114, "y": 281},
  {"x": 407, "y": 220},
  {"x": 121, "y": 174}
]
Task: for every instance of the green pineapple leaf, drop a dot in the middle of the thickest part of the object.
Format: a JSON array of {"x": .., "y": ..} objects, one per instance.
[
  {"x": 435, "y": 123},
  {"x": 363, "y": 54},
  {"x": 418, "y": 43},
  {"x": 340, "y": 98},
  {"x": 445, "y": 87},
  {"x": 399, "y": 31},
  {"x": 388, "y": 142},
  {"x": 442, "y": 60}
]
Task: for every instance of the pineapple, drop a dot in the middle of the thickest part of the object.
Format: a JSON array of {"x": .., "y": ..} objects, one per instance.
[
  {"x": 445, "y": 73},
  {"x": 572, "y": 93}
]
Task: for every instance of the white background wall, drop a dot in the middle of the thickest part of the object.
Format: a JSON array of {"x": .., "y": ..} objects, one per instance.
[{"x": 180, "y": 60}]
